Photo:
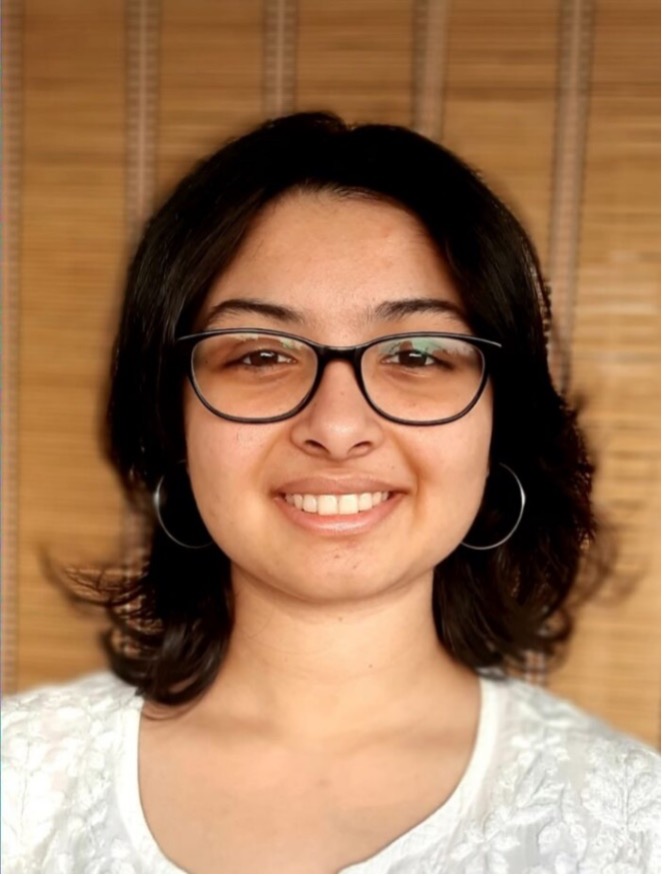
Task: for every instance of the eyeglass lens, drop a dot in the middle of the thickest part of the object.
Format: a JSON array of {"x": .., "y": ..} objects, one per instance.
[{"x": 260, "y": 376}]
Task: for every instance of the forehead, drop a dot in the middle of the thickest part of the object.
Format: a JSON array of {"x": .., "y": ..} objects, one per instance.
[{"x": 333, "y": 258}]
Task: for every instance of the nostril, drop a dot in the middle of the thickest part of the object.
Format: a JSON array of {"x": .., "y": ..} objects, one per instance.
[{"x": 314, "y": 445}]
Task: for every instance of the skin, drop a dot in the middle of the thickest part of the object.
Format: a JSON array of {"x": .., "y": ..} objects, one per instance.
[{"x": 324, "y": 704}]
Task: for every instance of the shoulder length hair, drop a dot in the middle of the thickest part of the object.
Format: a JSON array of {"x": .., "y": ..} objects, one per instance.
[{"x": 171, "y": 613}]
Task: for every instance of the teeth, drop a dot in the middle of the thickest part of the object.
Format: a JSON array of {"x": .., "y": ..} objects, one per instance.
[
  {"x": 329, "y": 505},
  {"x": 348, "y": 504},
  {"x": 326, "y": 506},
  {"x": 310, "y": 504},
  {"x": 365, "y": 502}
]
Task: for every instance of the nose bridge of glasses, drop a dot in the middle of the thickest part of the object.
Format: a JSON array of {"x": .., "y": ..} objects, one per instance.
[{"x": 350, "y": 355}]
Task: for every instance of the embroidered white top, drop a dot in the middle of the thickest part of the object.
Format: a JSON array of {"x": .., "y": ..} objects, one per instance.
[{"x": 548, "y": 790}]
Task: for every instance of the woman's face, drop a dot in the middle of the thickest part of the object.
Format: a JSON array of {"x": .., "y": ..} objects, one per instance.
[{"x": 336, "y": 267}]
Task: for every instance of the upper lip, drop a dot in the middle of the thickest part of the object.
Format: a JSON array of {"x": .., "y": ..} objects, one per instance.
[{"x": 336, "y": 486}]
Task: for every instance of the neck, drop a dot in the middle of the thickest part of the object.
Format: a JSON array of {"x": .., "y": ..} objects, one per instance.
[{"x": 336, "y": 669}]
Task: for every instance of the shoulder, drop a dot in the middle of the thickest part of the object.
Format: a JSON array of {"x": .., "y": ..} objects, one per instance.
[
  {"x": 88, "y": 690},
  {"x": 592, "y": 790},
  {"x": 57, "y": 726},
  {"x": 58, "y": 754},
  {"x": 533, "y": 714},
  {"x": 54, "y": 714}
]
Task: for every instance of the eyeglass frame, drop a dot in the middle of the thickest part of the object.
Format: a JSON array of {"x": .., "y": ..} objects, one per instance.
[{"x": 325, "y": 355}]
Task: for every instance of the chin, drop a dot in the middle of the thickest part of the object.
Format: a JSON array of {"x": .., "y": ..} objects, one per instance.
[{"x": 321, "y": 583}]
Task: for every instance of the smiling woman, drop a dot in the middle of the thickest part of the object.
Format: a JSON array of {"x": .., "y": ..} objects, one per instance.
[{"x": 366, "y": 509}]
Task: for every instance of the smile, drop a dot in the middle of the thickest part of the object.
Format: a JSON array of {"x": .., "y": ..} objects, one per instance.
[{"x": 330, "y": 505}]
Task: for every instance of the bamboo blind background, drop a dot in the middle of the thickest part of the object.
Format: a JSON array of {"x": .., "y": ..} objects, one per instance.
[{"x": 108, "y": 102}]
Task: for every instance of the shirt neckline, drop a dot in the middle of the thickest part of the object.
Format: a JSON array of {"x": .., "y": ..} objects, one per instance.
[
  {"x": 436, "y": 825},
  {"x": 439, "y": 824}
]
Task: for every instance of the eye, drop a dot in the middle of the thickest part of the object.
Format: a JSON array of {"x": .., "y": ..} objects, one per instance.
[
  {"x": 411, "y": 358},
  {"x": 262, "y": 359},
  {"x": 248, "y": 352},
  {"x": 407, "y": 354}
]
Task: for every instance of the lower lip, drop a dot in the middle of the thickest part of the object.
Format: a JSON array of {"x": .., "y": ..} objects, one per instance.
[{"x": 339, "y": 524}]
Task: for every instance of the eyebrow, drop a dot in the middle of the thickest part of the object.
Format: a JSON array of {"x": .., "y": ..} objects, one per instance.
[
  {"x": 255, "y": 306},
  {"x": 408, "y": 306}
]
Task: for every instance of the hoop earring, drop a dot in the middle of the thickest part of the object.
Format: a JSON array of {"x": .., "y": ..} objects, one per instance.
[
  {"x": 501, "y": 541},
  {"x": 157, "y": 505}
]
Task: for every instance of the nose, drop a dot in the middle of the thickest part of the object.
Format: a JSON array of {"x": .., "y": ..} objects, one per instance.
[{"x": 338, "y": 423}]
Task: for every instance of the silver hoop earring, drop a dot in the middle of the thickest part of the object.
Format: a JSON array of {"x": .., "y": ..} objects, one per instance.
[
  {"x": 504, "y": 539},
  {"x": 158, "y": 506}
]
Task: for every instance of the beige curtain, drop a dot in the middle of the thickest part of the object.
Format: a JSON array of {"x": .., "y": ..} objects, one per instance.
[{"x": 108, "y": 102}]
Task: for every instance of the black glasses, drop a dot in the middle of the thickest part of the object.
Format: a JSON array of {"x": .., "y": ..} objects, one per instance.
[{"x": 263, "y": 376}]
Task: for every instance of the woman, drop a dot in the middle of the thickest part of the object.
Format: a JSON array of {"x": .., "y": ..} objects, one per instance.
[{"x": 365, "y": 505}]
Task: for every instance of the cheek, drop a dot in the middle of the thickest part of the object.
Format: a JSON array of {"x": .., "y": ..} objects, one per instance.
[
  {"x": 223, "y": 459},
  {"x": 453, "y": 463},
  {"x": 460, "y": 448},
  {"x": 216, "y": 445}
]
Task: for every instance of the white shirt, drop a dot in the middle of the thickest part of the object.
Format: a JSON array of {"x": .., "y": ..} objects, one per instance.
[{"x": 548, "y": 789}]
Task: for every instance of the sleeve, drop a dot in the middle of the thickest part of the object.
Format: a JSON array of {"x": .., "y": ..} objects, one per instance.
[
  {"x": 43, "y": 757},
  {"x": 16, "y": 755},
  {"x": 59, "y": 747}
]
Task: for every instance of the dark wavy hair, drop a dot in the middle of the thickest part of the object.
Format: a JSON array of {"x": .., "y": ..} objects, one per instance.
[{"x": 171, "y": 610}]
